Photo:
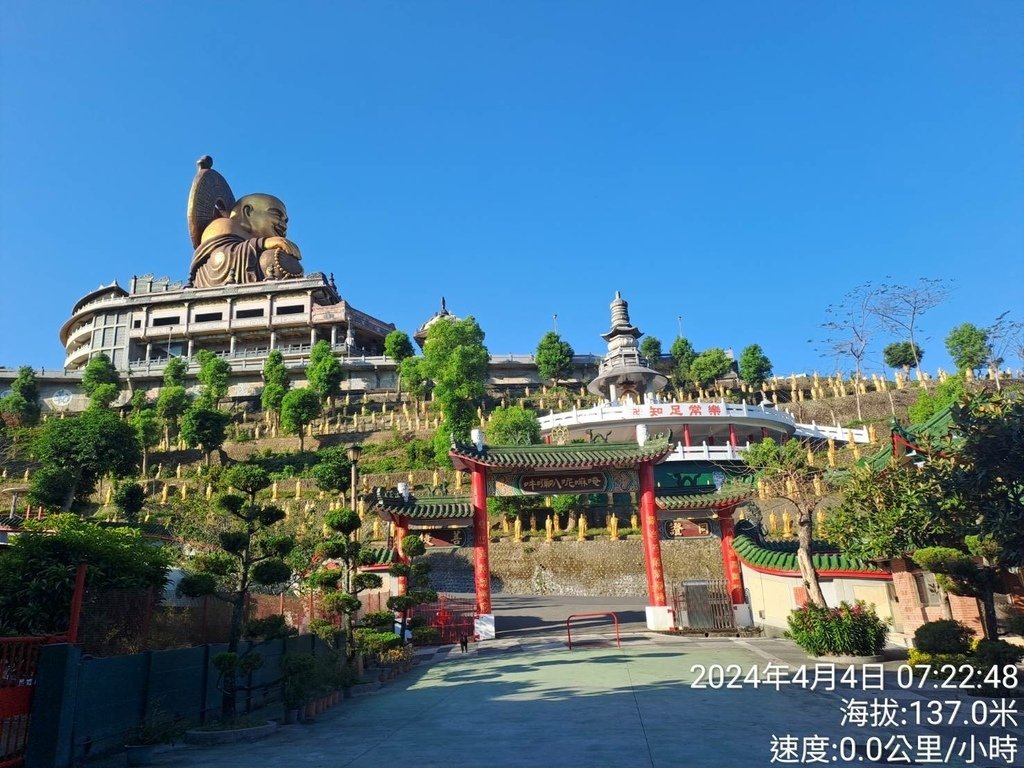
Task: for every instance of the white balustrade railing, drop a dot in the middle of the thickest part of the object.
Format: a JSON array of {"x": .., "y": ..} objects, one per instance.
[{"x": 671, "y": 411}]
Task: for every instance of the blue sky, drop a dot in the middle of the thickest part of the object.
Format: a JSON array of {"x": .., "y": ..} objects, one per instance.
[{"x": 741, "y": 165}]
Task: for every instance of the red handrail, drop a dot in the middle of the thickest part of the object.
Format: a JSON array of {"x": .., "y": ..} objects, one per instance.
[{"x": 615, "y": 618}]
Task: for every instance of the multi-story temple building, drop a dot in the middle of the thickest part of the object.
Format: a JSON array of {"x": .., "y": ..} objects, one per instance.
[{"x": 156, "y": 319}]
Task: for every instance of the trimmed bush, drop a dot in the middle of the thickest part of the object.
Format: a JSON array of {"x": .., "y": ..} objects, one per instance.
[
  {"x": 849, "y": 630},
  {"x": 426, "y": 636},
  {"x": 918, "y": 658},
  {"x": 945, "y": 636},
  {"x": 380, "y": 620},
  {"x": 997, "y": 653}
]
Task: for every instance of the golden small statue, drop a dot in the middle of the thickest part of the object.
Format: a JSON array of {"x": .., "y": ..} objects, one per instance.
[
  {"x": 581, "y": 527},
  {"x": 613, "y": 527},
  {"x": 634, "y": 521},
  {"x": 237, "y": 241},
  {"x": 549, "y": 533},
  {"x": 517, "y": 531}
]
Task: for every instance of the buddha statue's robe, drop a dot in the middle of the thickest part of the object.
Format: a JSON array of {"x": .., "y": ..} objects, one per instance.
[{"x": 226, "y": 260}]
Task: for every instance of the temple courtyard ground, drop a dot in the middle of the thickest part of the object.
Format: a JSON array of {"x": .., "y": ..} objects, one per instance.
[{"x": 525, "y": 699}]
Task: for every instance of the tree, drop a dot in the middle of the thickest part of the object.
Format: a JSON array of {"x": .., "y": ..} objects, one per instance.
[
  {"x": 1003, "y": 335},
  {"x": 650, "y": 349},
  {"x": 76, "y": 452},
  {"x": 754, "y": 366},
  {"x": 275, "y": 384},
  {"x": 145, "y": 422},
  {"x": 554, "y": 358},
  {"x": 785, "y": 474},
  {"x": 902, "y": 354},
  {"x": 899, "y": 307},
  {"x": 333, "y": 470},
  {"x": 455, "y": 361},
  {"x": 342, "y": 586},
  {"x": 682, "y": 354},
  {"x": 174, "y": 372},
  {"x": 21, "y": 405},
  {"x": 37, "y": 570},
  {"x": 214, "y": 375},
  {"x": 513, "y": 425},
  {"x": 708, "y": 366},
  {"x": 852, "y": 325},
  {"x": 418, "y": 579},
  {"x": 958, "y": 509},
  {"x": 410, "y": 373},
  {"x": 250, "y": 554},
  {"x": 171, "y": 403},
  {"x": 100, "y": 381},
  {"x": 204, "y": 427},
  {"x": 324, "y": 372},
  {"x": 968, "y": 345},
  {"x": 398, "y": 347},
  {"x": 129, "y": 498},
  {"x": 298, "y": 408}
]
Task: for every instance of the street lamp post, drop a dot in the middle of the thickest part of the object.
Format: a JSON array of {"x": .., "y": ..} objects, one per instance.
[{"x": 353, "y": 456}]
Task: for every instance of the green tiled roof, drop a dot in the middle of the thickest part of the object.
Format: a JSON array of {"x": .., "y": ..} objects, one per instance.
[
  {"x": 700, "y": 501},
  {"x": 781, "y": 556},
  {"x": 933, "y": 429},
  {"x": 572, "y": 456},
  {"x": 378, "y": 556},
  {"x": 427, "y": 508}
]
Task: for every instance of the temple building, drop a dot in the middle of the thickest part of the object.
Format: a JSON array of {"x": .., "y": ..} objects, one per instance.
[
  {"x": 156, "y": 319},
  {"x": 247, "y": 293}
]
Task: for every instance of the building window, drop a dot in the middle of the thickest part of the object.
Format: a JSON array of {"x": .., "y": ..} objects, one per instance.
[
  {"x": 207, "y": 317},
  {"x": 158, "y": 321},
  {"x": 245, "y": 313},
  {"x": 927, "y": 589},
  {"x": 291, "y": 309},
  {"x": 136, "y": 323}
]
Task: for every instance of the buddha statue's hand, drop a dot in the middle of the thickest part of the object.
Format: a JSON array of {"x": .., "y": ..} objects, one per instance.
[{"x": 283, "y": 244}]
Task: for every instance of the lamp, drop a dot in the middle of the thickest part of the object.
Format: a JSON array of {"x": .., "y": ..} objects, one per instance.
[{"x": 353, "y": 456}]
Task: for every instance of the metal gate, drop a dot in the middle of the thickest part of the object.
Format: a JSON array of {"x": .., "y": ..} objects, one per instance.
[
  {"x": 704, "y": 605},
  {"x": 19, "y": 658},
  {"x": 453, "y": 617}
]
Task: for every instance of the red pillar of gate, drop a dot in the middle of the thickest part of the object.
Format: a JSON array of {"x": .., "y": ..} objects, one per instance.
[
  {"x": 733, "y": 574},
  {"x": 652, "y": 542},
  {"x": 401, "y": 531},
  {"x": 481, "y": 542},
  {"x": 686, "y": 435},
  {"x": 732, "y": 436}
]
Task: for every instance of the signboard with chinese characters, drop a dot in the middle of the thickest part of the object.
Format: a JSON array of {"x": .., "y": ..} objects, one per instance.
[
  {"x": 551, "y": 483},
  {"x": 683, "y": 528},
  {"x": 444, "y": 537},
  {"x": 653, "y": 411}
]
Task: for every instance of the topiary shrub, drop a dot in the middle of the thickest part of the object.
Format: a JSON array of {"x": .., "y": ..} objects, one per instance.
[
  {"x": 426, "y": 636},
  {"x": 849, "y": 630},
  {"x": 918, "y": 658},
  {"x": 380, "y": 620},
  {"x": 997, "y": 653},
  {"x": 944, "y": 636}
]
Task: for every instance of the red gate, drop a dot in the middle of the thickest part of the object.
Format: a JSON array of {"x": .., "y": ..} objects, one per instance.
[
  {"x": 453, "y": 617},
  {"x": 19, "y": 660}
]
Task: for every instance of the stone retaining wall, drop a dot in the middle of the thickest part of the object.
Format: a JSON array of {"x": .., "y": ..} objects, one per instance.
[{"x": 575, "y": 568}]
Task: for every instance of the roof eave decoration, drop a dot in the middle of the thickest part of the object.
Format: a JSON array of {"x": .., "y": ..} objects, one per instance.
[
  {"x": 701, "y": 501},
  {"x": 392, "y": 507},
  {"x": 782, "y": 562},
  {"x": 560, "y": 458}
]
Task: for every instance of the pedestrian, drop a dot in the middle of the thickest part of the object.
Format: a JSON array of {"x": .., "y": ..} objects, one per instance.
[{"x": 464, "y": 642}]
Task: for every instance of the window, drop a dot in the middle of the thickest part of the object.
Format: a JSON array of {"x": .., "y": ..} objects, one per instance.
[
  {"x": 927, "y": 588},
  {"x": 136, "y": 323},
  {"x": 291, "y": 309},
  {"x": 244, "y": 313},
  {"x": 158, "y": 321},
  {"x": 206, "y": 317}
]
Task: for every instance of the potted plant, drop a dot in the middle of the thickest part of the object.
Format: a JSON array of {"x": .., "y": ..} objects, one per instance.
[
  {"x": 141, "y": 741},
  {"x": 297, "y": 674}
]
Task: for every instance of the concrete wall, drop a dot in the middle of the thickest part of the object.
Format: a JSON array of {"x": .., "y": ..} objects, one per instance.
[
  {"x": 575, "y": 568},
  {"x": 772, "y": 597}
]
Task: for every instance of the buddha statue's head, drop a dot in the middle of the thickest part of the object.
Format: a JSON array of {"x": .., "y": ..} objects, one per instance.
[{"x": 261, "y": 216}]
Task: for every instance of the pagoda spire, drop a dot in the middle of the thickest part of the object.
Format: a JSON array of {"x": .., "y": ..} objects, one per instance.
[{"x": 624, "y": 375}]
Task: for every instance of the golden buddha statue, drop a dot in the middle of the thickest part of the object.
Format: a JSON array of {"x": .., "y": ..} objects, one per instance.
[{"x": 237, "y": 241}]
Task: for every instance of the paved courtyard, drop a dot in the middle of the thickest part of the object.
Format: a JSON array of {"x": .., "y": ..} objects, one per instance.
[{"x": 532, "y": 702}]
